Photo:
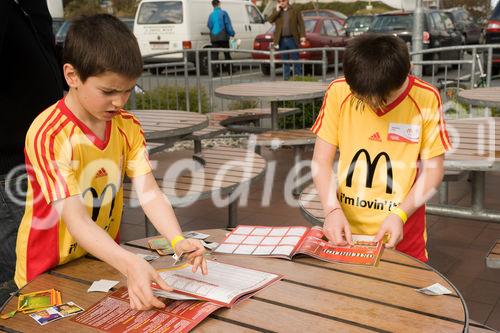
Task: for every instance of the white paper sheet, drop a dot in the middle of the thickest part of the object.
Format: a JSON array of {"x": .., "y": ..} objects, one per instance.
[
  {"x": 102, "y": 285},
  {"x": 224, "y": 283}
]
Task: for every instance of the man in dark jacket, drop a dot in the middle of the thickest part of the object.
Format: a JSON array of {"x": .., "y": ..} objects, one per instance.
[
  {"x": 30, "y": 82},
  {"x": 289, "y": 32},
  {"x": 221, "y": 29}
]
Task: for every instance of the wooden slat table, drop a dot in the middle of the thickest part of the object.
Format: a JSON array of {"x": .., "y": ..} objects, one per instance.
[
  {"x": 273, "y": 92},
  {"x": 481, "y": 97},
  {"x": 220, "y": 172},
  {"x": 476, "y": 148},
  {"x": 298, "y": 139},
  {"x": 314, "y": 296},
  {"x": 168, "y": 126}
]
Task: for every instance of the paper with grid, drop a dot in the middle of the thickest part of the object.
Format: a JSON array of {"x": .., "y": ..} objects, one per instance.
[
  {"x": 285, "y": 242},
  {"x": 260, "y": 240}
]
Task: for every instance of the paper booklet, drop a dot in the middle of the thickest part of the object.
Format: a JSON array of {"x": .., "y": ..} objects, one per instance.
[
  {"x": 113, "y": 314},
  {"x": 224, "y": 285},
  {"x": 285, "y": 242}
]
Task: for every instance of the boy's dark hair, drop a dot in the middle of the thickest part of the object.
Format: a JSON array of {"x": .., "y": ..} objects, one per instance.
[
  {"x": 99, "y": 43},
  {"x": 375, "y": 64},
  {"x": 215, "y": 3}
]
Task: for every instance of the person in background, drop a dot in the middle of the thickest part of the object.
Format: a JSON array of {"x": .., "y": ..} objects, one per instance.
[
  {"x": 221, "y": 30},
  {"x": 288, "y": 33},
  {"x": 30, "y": 82},
  {"x": 390, "y": 131}
]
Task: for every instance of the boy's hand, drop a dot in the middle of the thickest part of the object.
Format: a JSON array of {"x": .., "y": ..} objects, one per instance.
[
  {"x": 278, "y": 7},
  {"x": 336, "y": 228},
  {"x": 140, "y": 274},
  {"x": 195, "y": 252},
  {"x": 393, "y": 225}
]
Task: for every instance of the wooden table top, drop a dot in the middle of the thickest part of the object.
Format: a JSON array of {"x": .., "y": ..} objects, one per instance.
[
  {"x": 294, "y": 137},
  {"x": 482, "y": 97},
  {"x": 223, "y": 170},
  {"x": 476, "y": 144},
  {"x": 163, "y": 124},
  {"x": 314, "y": 296},
  {"x": 273, "y": 90}
]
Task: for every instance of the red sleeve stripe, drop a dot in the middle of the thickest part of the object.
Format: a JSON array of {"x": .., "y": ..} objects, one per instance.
[
  {"x": 319, "y": 119},
  {"x": 127, "y": 115},
  {"x": 51, "y": 166},
  {"x": 125, "y": 137},
  {"x": 443, "y": 133},
  {"x": 36, "y": 144},
  {"x": 53, "y": 157}
]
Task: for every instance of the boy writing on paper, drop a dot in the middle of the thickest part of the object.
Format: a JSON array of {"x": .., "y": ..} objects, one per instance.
[
  {"x": 389, "y": 129},
  {"x": 78, "y": 152}
]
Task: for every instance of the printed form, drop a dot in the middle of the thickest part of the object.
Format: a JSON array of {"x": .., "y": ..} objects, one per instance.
[{"x": 224, "y": 283}]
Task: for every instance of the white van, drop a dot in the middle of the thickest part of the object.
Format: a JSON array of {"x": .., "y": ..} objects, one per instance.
[{"x": 167, "y": 25}]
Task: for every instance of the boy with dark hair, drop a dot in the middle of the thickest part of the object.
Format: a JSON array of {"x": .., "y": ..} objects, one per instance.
[
  {"x": 389, "y": 129},
  {"x": 78, "y": 152}
]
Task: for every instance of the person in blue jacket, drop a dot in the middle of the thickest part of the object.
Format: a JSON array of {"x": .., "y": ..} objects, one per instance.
[{"x": 221, "y": 29}]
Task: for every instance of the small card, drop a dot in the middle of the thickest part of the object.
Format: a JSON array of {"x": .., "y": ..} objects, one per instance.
[
  {"x": 102, "y": 285},
  {"x": 148, "y": 257},
  {"x": 434, "y": 290},
  {"x": 195, "y": 235},
  {"x": 161, "y": 245},
  {"x": 48, "y": 315},
  {"x": 210, "y": 246}
]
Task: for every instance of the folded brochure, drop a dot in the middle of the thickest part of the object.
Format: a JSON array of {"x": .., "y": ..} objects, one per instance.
[
  {"x": 113, "y": 314},
  {"x": 285, "y": 242}
]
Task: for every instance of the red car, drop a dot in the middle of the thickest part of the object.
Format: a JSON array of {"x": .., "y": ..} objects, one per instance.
[{"x": 320, "y": 32}]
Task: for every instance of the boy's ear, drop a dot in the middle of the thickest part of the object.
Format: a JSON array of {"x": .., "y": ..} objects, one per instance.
[{"x": 71, "y": 76}]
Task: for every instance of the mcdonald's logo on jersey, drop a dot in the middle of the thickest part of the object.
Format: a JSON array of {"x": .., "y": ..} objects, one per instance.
[{"x": 371, "y": 166}]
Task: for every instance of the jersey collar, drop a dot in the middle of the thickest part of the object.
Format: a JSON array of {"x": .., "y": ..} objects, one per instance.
[
  {"x": 101, "y": 144},
  {"x": 380, "y": 112}
]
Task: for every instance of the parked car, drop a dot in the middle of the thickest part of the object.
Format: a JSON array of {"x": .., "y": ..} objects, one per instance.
[
  {"x": 336, "y": 15},
  {"x": 171, "y": 25},
  {"x": 320, "y": 32},
  {"x": 466, "y": 24},
  {"x": 357, "y": 24},
  {"x": 492, "y": 36},
  {"x": 439, "y": 31}
]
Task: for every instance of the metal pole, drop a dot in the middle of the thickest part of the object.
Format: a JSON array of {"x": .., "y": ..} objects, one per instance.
[
  {"x": 418, "y": 29},
  {"x": 272, "y": 65}
]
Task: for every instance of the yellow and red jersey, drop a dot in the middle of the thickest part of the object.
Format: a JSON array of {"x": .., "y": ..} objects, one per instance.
[
  {"x": 64, "y": 158},
  {"x": 379, "y": 154}
]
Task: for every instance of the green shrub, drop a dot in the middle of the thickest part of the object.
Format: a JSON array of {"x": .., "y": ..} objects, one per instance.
[
  {"x": 239, "y": 105},
  {"x": 171, "y": 98}
]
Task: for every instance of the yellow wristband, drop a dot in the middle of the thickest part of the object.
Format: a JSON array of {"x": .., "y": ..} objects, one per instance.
[
  {"x": 176, "y": 240},
  {"x": 401, "y": 213}
]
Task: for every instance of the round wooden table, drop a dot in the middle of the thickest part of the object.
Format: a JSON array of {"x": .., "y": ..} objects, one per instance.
[
  {"x": 314, "y": 296},
  {"x": 215, "y": 173},
  {"x": 167, "y": 125},
  {"x": 482, "y": 97},
  {"x": 273, "y": 92}
]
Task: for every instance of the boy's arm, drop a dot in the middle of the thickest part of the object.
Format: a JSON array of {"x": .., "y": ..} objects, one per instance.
[
  {"x": 159, "y": 211},
  {"x": 336, "y": 227},
  {"x": 423, "y": 189},
  {"x": 96, "y": 241}
]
